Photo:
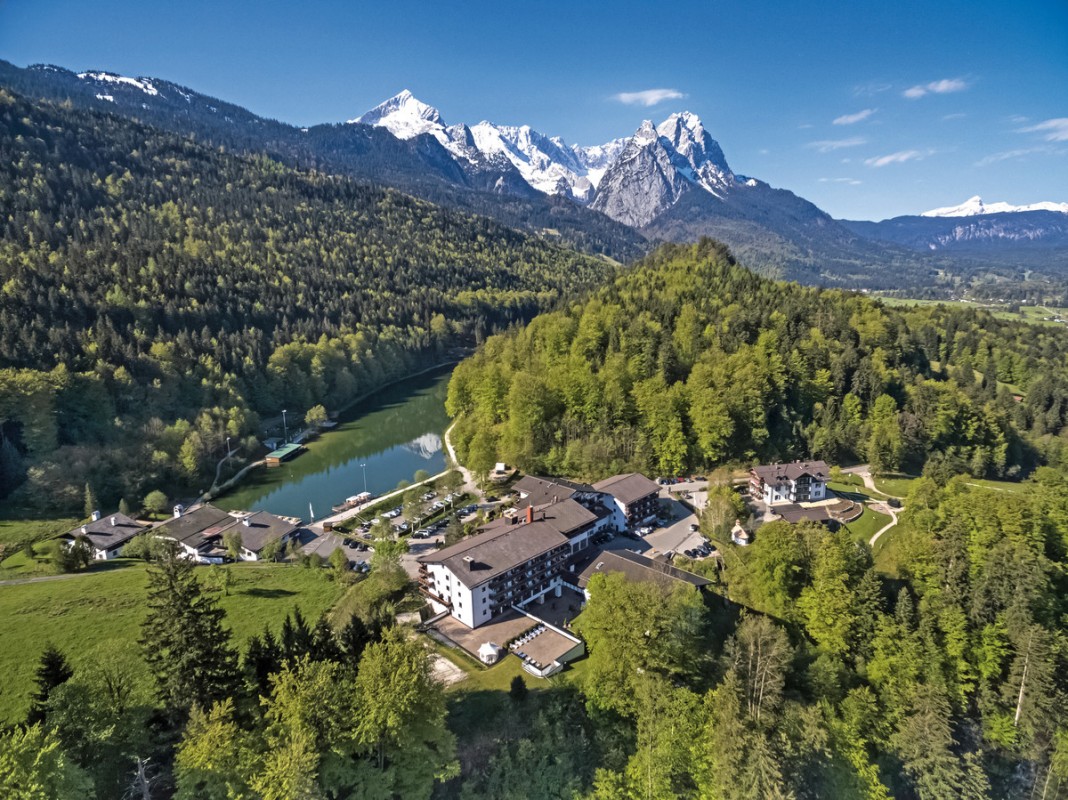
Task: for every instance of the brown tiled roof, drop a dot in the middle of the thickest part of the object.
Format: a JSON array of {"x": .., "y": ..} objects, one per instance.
[
  {"x": 480, "y": 558},
  {"x": 627, "y": 488},
  {"x": 635, "y": 567},
  {"x": 105, "y": 536}
]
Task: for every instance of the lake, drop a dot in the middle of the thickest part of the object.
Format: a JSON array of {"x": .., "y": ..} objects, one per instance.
[{"x": 395, "y": 432}]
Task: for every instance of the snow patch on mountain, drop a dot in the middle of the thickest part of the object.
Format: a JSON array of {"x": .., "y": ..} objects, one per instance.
[
  {"x": 144, "y": 84},
  {"x": 974, "y": 206}
]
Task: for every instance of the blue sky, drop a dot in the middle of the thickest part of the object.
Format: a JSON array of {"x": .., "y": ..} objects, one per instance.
[{"x": 868, "y": 109}]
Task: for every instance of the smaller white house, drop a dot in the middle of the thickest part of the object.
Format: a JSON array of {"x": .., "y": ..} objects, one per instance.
[
  {"x": 797, "y": 482},
  {"x": 739, "y": 535},
  {"x": 106, "y": 536}
]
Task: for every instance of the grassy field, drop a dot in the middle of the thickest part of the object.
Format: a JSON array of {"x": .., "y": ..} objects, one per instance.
[
  {"x": 1036, "y": 315},
  {"x": 102, "y": 611},
  {"x": 887, "y": 553},
  {"x": 20, "y": 529},
  {"x": 895, "y": 485},
  {"x": 865, "y": 527},
  {"x": 1013, "y": 487}
]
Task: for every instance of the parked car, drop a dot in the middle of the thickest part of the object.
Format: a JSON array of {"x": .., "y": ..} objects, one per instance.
[
  {"x": 367, "y": 536},
  {"x": 645, "y": 530},
  {"x": 694, "y": 527},
  {"x": 690, "y": 553}
]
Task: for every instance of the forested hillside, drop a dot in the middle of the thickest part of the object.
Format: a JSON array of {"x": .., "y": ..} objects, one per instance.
[
  {"x": 689, "y": 361},
  {"x": 420, "y": 166},
  {"x": 157, "y": 295},
  {"x": 834, "y": 681}
]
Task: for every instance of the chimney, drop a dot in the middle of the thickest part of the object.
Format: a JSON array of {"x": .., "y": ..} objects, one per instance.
[
  {"x": 96, "y": 516},
  {"x": 530, "y": 514},
  {"x": 85, "y": 530},
  {"x": 178, "y": 509},
  {"x": 113, "y": 521},
  {"x": 470, "y": 562},
  {"x": 246, "y": 521}
]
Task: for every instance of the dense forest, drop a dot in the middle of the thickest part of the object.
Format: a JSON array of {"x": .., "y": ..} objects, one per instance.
[
  {"x": 689, "y": 360},
  {"x": 157, "y": 296}
]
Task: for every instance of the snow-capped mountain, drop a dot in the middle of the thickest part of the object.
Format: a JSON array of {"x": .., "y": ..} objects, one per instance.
[
  {"x": 974, "y": 207},
  {"x": 406, "y": 117},
  {"x": 658, "y": 165},
  {"x": 549, "y": 165},
  {"x": 670, "y": 181},
  {"x": 649, "y": 170}
]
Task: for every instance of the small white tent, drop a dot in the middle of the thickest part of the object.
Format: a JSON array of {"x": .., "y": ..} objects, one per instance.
[{"x": 489, "y": 653}]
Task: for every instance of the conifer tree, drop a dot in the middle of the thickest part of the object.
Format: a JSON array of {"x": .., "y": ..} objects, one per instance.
[
  {"x": 53, "y": 671},
  {"x": 184, "y": 640},
  {"x": 91, "y": 504}
]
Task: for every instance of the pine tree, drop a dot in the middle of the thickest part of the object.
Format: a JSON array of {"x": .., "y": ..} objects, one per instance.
[
  {"x": 124, "y": 507},
  {"x": 353, "y": 639},
  {"x": 263, "y": 658},
  {"x": 296, "y": 637},
  {"x": 324, "y": 646},
  {"x": 91, "y": 504},
  {"x": 53, "y": 671},
  {"x": 184, "y": 640}
]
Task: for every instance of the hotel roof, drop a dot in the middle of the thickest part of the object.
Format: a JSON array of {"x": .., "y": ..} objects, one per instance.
[
  {"x": 635, "y": 567},
  {"x": 628, "y": 488},
  {"x": 483, "y": 557}
]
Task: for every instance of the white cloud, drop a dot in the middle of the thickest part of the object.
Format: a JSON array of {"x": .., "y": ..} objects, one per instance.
[
  {"x": 949, "y": 117},
  {"x": 871, "y": 88},
  {"x": 648, "y": 97},
  {"x": 830, "y": 145},
  {"x": 900, "y": 157},
  {"x": 1053, "y": 130},
  {"x": 943, "y": 86},
  {"x": 850, "y": 119},
  {"x": 1007, "y": 155},
  {"x": 849, "y": 181}
]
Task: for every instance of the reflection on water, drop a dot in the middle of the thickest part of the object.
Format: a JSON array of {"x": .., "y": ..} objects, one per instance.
[
  {"x": 426, "y": 446},
  {"x": 383, "y": 440}
]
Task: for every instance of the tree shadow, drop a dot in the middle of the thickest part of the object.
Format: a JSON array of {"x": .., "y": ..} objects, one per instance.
[{"x": 269, "y": 593}]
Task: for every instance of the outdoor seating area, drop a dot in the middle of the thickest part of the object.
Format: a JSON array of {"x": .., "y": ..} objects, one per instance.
[
  {"x": 544, "y": 650},
  {"x": 517, "y": 645}
]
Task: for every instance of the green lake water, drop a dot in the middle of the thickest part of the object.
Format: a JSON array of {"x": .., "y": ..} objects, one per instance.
[{"x": 395, "y": 432}]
